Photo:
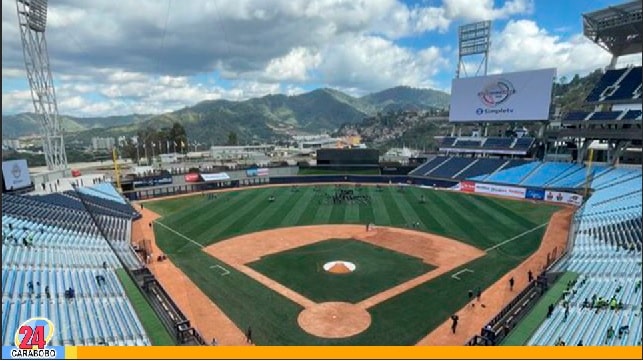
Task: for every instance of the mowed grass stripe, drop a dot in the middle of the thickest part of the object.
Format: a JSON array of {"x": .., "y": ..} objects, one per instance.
[
  {"x": 380, "y": 213},
  {"x": 494, "y": 233},
  {"x": 277, "y": 212},
  {"x": 508, "y": 224},
  {"x": 337, "y": 214},
  {"x": 366, "y": 211},
  {"x": 311, "y": 200},
  {"x": 237, "y": 221},
  {"x": 395, "y": 215},
  {"x": 509, "y": 213},
  {"x": 405, "y": 208},
  {"x": 322, "y": 216},
  {"x": 443, "y": 212},
  {"x": 293, "y": 211},
  {"x": 424, "y": 211},
  {"x": 199, "y": 222}
]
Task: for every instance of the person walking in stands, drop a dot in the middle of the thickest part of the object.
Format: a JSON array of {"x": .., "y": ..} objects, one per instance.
[
  {"x": 530, "y": 276},
  {"x": 104, "y": 264},
  {"x": 511, "y": 284},
  {"x": 249, "y": 335},
  {"x": 47, "y": 292},
  {"x": 550, "y": 310},
  {"x": 566, "y": 311},
  {"x": 30, "y": 287},
  {"x": 454, "y": 324}
]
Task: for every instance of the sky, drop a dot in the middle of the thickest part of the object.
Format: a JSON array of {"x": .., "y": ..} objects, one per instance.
[{"x": 153, "y": 56}]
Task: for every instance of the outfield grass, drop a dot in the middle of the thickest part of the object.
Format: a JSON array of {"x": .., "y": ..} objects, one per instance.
[
  {"x": 151, "y": 323},
  {"x": 377, "y": 269},
  {"x": 402, "y": 320}
]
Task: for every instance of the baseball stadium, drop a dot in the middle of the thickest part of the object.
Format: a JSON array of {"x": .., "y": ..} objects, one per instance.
[{"x": 490, "y": 240}]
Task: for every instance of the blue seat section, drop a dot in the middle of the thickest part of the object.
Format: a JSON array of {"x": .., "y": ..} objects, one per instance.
[
  {"x": 606, "y": 252},
  {"x": 524, "y": 143},
  {"x": 547, "y": 172},
  {"x": 605, "y": 115},
  {"x": 482, "y": 166},
  {"x": 428, "y": 165},
  {"x": 513, "y": 175},
  {"x": 65, "y": 252},
  {"x": 108, "y": 191},
  {"x": 498, "y": 143},
  {"x": 465, "y": 143},
  {"x": 632, "y": 114},
  {"x": 511, "y": 163},
  {"x": 577, "y": 177},
  {"x": 627, "y": 86},
  {"x": 105, "y": 206},
  {"x": 608, "y": 79},
  {"x": 451, "y": 167},
  {"x": 574, "y": 116},
  {"x": 447, "y": 141}
]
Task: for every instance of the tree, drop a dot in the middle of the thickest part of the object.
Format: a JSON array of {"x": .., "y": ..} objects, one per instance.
[{"x": 232, "y": 139}]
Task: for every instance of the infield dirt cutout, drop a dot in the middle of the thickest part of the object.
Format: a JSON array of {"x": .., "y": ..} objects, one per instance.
[{"x": 340, "y": 319}]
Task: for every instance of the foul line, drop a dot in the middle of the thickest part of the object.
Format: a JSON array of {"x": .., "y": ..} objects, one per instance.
[
  {"x": 457, "y": 274},
  {"x": 225, "y": 270},
  {"x": 179, "y": 234},
  {"x": 516, "y": 237}
]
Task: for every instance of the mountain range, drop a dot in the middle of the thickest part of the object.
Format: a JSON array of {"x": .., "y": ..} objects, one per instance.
[{"x": 266, "y": 118}]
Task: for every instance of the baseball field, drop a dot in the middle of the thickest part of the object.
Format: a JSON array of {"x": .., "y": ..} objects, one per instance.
[{"x": 297, "y": 265}]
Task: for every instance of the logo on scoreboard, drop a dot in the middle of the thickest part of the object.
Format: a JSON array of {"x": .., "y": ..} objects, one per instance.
[
  {"x": 496, "y": 93},
  {"x": 31, "y": 341}
]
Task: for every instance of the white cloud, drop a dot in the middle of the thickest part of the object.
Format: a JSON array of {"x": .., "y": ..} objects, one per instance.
[
  {"x": 479, "y": 10},
  {"x": 295, "y": 66},
  {"x": 523, "y": 45},
  {"x": 374, "y": 63}
]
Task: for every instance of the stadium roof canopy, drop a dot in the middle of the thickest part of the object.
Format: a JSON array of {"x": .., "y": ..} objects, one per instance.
[{"x": 617, "y": 29}]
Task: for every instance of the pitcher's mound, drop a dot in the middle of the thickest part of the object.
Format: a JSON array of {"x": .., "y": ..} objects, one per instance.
[
  {"x": 339, "y": 267},
  {"x": 334, "y": 319}
]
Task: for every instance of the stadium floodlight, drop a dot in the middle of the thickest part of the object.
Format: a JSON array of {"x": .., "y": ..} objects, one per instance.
[
  {"x": 616, "y": 29},
  {"x": 32, "y": 21},
  {"x": 474, "y": 39}
]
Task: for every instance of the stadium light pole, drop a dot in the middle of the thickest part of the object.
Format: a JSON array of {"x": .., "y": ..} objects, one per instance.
[{"x": 32, "y": 21}]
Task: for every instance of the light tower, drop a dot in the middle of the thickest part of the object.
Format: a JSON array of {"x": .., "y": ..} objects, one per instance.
[
  {"x": 32, "y": 20},
  {"x": 474, "y": 39}
]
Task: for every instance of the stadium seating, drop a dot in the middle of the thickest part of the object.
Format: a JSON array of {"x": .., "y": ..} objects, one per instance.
[
  {"x": 606, "y": 252},
  {"x": 514, "y": 175},
  {"x": 429, "y": 165},
  {"x": 67, "y": 250},
  {"x": 633, "y": 114},
  {"x": 626, "y": 87},
  {"x": 523, "y": 143},
  {"x": 573, "y": 116},
  {"x": 608, "y": 79},
  {"x": 547, "y": 172},
  {"x": 449, "y": 168},
  {"x": 498, "y": 143},
  {"x": 605, "y": 115},
  {"x": 480, "y": 166}
]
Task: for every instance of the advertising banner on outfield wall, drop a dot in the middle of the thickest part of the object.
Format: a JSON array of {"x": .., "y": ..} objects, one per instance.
[
  {"x": 520, "y": 96},
  {"x": 505, "y": 191},
  {"x": 209, "y": 177},
  {"x": 564, "y": 197},
  {"x": 467, "y": 186},
  {"x": 538, "y": 194}
]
